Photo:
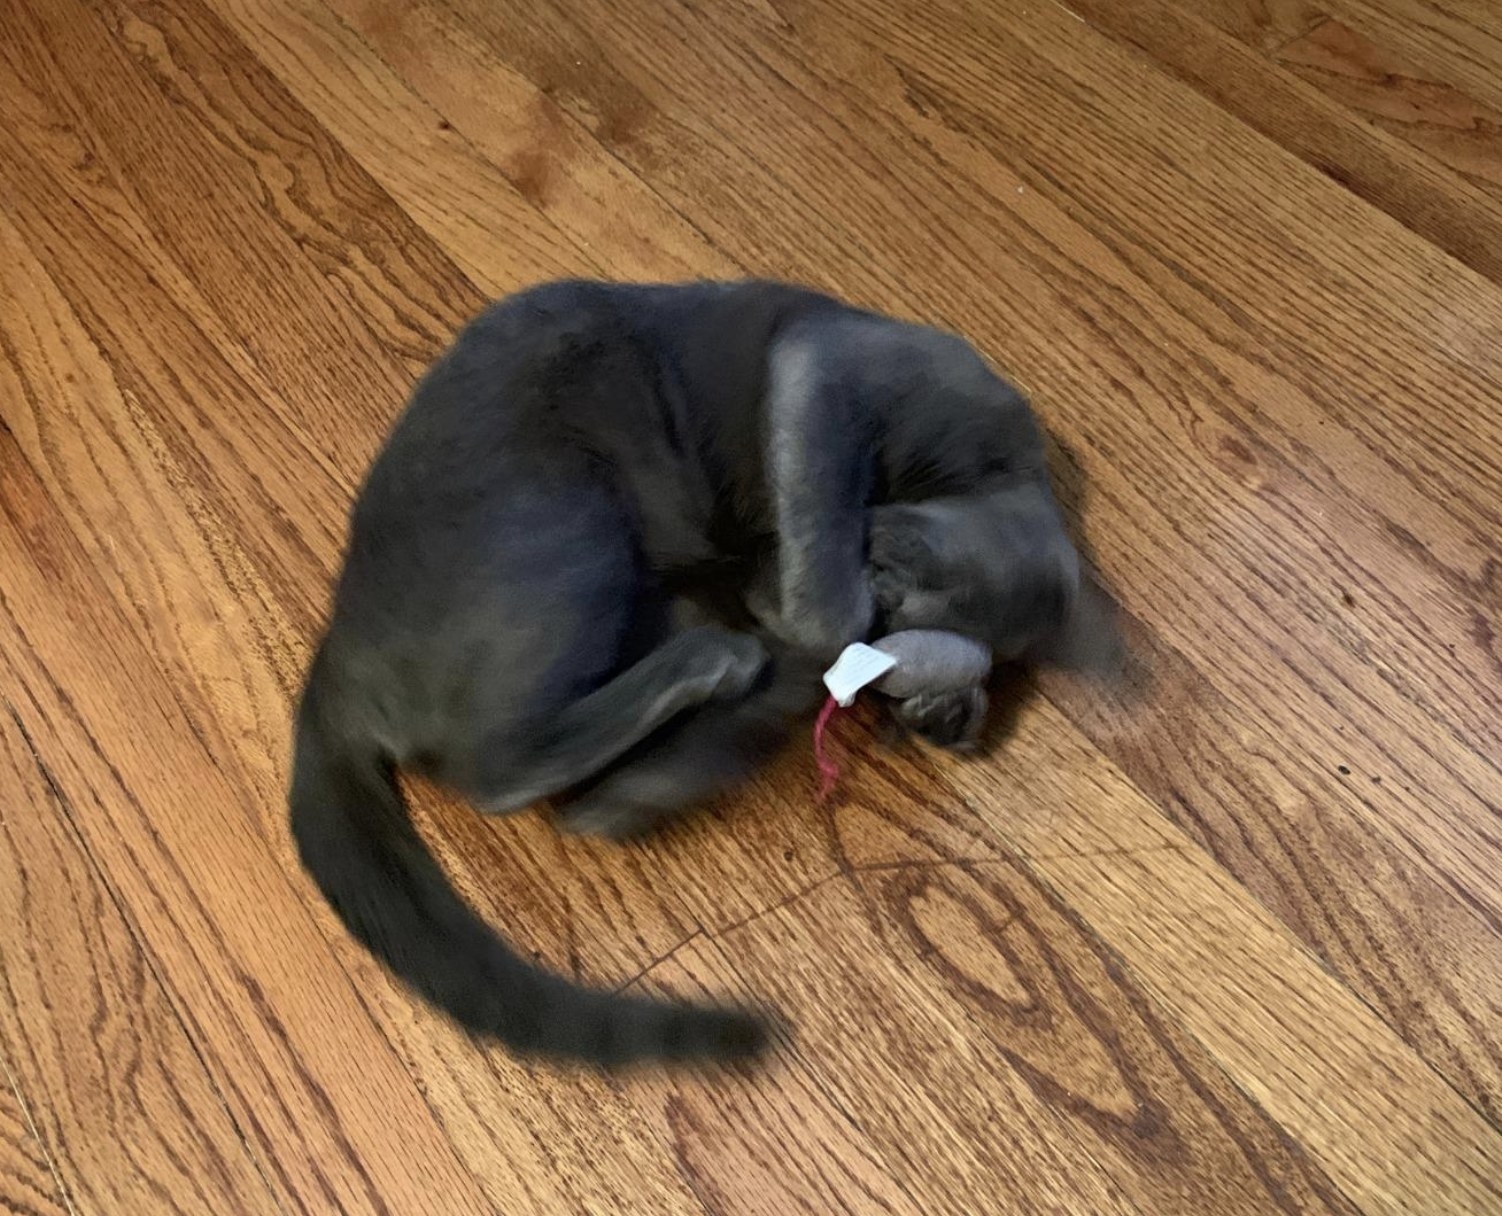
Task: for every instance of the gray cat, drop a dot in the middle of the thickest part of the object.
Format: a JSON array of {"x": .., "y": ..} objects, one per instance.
[{"x": 603, "y": 558}]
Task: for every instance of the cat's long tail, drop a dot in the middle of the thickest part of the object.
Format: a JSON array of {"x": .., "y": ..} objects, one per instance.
[{"x": 358, "y": 842}]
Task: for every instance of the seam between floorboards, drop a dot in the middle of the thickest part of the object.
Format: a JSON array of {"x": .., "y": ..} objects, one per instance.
[
  {"x": 25, "y": 1107},
  {"x": 66, "y": 815}
]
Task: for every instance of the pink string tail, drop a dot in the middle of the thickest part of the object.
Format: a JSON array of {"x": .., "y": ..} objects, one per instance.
[{"x": 829, "y": 769}]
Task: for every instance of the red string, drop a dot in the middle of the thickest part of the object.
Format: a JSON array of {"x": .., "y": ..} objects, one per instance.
[{"x": 829, "y": 769}]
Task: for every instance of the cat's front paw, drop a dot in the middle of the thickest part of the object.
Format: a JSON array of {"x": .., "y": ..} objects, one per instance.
[{"x": 952, "y": 720}]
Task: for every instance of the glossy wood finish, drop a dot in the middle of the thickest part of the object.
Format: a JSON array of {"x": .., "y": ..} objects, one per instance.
[{"x": 1227, "y": 939}]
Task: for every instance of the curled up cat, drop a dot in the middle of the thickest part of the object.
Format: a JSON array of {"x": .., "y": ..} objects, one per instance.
[{"x": 603, "y": 558}]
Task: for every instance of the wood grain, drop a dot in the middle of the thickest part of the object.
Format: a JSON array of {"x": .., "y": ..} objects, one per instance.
[
  {"x": 607, "y": 217},
  {"x": 1229, "y": 479},
  {"x": 997, "y": 957},
  {"x": 1225, "y": 939},
  {"x": 187, "y": 869},
  {"x": 1425, "y": 164},
  {"x": 437, "y": 177},
  {"x": 1199, "y": 943},
  {"x": 28, "y": 1182},
  {"x": 129, "y": 1117},
  {"x": 1293, "y": 838},
  {"x": 919, "y": 1086},
  {"x": 251, "y": 658},
  {"x": 1379, "y": 84},
  {"x": 1454, "y": 42}
]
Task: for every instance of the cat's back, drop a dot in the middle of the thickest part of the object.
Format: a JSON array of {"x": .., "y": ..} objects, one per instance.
[{"x": 658, "y": 383}]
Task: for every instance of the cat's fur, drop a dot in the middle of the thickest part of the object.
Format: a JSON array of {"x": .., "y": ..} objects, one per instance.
[{"x": 586, "y": 463}]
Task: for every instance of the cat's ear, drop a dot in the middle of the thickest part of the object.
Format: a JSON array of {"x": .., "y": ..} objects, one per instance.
[{"x": 1090, "y": 641}]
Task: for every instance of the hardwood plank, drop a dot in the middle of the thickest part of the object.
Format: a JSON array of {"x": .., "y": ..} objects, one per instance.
[
  {"x": 1121, "y": 268},
  {"x": 989, "y": 969},
  {"x": 512, "y": 1145},
  {"x": 1407, "y": 911},
  {"x": 629, "y": 118},
  {"x": 220, "y": 303},
  {"x": 1025, "y": 800},
  {"x": 175, "y": 843},
  {"x": 130, "y": 1119},
  {"x": 103, "y": 461},
  {"x": 1456, "y": 42},
  {"x": 234, "y": 651},
  {"x": 1429, "y": 183},
  {"x": 917, "y": 1084},
  {"x": 1264, "y": 25},
  {"x": 29, "y": 1185},
  {"x": 279, "y": 1084},
  {"x": 1378, "y": 84},
  {"x": 496, "y": 237},
  {"x": 1292, "y": 440},
  {"x": 543, "y": 158},
  {"x": 166, "y": 339},
  {"x": 772, "y": 1145},
  {"x": 1296, "y": 839},
  {"x": 856, "y": 1012},
  {"x": 151, "y": 527},
  {"x": 177, "y": 409},
  {"x": 273, "y": 292},
  {"x": 1415, "y": 1147},
  {"x": 1390, "y": 1133}
]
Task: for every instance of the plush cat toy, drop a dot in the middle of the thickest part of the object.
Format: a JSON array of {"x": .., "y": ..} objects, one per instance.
[{"x": 912, "y": 663}]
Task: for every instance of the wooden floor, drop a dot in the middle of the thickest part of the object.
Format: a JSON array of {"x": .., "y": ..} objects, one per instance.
[{"x": 1225, "y": 941}]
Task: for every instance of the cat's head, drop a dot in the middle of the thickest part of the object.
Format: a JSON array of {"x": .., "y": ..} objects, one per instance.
[{"x": 999, "y": 568}]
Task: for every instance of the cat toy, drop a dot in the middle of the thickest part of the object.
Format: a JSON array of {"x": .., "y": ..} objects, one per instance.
[{"x": 900, "y": 665}]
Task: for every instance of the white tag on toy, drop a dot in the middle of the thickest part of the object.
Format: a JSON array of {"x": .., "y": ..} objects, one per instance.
[{"x": 857, "y": 666}]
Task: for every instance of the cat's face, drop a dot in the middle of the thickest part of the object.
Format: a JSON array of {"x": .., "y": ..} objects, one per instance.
[{"x": 999, "y": 569}]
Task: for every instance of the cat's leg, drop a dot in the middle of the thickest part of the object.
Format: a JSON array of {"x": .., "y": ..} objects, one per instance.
[
  {"x": 701, "y": 754},
  {"x": 818, "y": 595},
  {"x": 691, "y": 668}
]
